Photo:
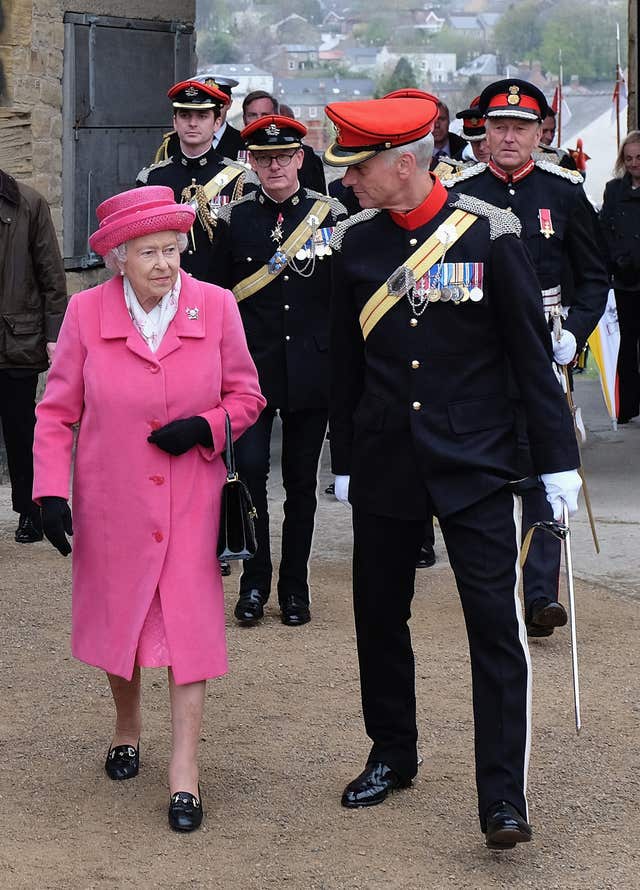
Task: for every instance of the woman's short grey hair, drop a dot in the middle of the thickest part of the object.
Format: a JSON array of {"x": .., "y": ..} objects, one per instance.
[
  {"x": 422, "y": 150},
  {"x": 115, "y": 258}
]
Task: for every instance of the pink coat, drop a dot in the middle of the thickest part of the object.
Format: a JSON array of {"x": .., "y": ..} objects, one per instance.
[{"x": 142, "y": 518}]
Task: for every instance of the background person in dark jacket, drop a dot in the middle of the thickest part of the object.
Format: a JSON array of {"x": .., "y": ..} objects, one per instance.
[
  {"x": 620, "y": 220},
  {"x": 33, "y": 298}
]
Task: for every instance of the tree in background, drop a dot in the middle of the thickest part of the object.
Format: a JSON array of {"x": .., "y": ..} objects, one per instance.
[
  {"x": 518, "y": 34},
  {"x": 401, "y": 77},
  {"x": 587, "y": 37}
]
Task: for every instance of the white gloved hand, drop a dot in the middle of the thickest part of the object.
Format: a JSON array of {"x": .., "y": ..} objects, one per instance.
[
  {"x": 565, "y": 348},
  {"x": 341, "y": 488},
  {"x": 561, "y": 487}
]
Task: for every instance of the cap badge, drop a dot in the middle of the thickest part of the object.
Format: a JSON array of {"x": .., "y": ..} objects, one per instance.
[
  {"x": 272, "y": 130},
  {"x": 210, "y": 82},
  {"x": 337, "y": 133},
  {"x": 514, "y": 95},
  {"x": 191, "y": 92}
]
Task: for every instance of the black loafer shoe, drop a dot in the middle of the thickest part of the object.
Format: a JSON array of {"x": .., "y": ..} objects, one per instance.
[
  {"x": 294, "y": 612},
  {"x": 544, "y": 616},
  {"x": 426, "y": 557},
  {"x": 185, "y": 811},
  {"x": 29, "y": 530},
  {"x": 225, "y": 568},
  {"x": 250, "y": 606},
  {"x": 123, "y": 762},
  {"x": 372, "y": 786},
  {"x": 505, "y": 827}
]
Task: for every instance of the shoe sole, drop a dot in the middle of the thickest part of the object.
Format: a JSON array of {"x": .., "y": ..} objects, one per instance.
[
  {"x": 507, "y": 839},
  {"x": 551, "y": 617}
]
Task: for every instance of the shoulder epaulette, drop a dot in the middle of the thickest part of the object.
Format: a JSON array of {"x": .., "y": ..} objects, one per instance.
[
  {"x": 463, "y": 174},
  {"x": 337, "y": 207},
  {"x": 224, "y": 212},
  {"x": 143, "y": 175},
  {"x": 342, "y": 227},
  {"x": 549, "y": 167},
  {"x": 501, "y": 222}
]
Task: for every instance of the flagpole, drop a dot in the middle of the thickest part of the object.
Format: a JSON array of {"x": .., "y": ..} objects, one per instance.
[
  {"x": 617, "y": 88},
  {"x": 559, "y": 121}
]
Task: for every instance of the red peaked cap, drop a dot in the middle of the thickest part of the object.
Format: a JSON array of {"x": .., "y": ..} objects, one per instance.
[
  {"x": 192, "y": 94},
  {"x": 273, "y": 131},
  {"x": 411, "y": 93},
  {"x": 365, "y": 128}
]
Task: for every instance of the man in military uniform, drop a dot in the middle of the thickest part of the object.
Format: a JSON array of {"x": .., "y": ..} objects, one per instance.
[
  {"x": 546, "y": 150},
  {"x": 434, "y": 294},
  {"x": 195, "y": 171},
  {"x": 227, "y": 140},
  {"x": 474, "y": 132},
  {"x": 560, "y": 231},
  {"x": 271, "y": 249}
]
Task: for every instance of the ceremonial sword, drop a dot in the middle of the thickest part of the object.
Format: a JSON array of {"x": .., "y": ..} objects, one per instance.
[{"x": 562, "y": 531}]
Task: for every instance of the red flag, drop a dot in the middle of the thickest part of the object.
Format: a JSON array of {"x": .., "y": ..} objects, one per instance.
[
  {"x": 579, "y": 156},
  {"x": 555, "y": 102}
]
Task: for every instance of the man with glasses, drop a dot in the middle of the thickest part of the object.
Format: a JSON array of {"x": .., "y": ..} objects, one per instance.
[{"x": 271, "y": 249}]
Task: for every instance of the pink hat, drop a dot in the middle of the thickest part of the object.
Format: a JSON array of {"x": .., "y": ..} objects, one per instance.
[{"x": 138, "y": 212}]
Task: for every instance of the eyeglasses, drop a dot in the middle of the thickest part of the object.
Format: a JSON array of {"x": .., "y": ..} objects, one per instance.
[{"x": 281, "y": 160}]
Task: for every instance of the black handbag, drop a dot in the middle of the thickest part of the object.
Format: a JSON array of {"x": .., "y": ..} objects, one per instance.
[{"x": 237, "y": 535}]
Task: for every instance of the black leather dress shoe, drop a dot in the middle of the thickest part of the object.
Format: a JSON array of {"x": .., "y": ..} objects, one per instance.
[
  {"x": 372, "y": 786},
  {"x": 294, "y": 612},
  {"x": 185, "y": 811},
  {"x": 225, "y": 568},
  {"x": 426, "y": 557},
  {"x": 29, "y": 530},
  {"x": 123, "y": 762},
  {"x": 544, "y": 616},
  {"x": 250, "y": 606},
  {"x": 505, "y": 827}
]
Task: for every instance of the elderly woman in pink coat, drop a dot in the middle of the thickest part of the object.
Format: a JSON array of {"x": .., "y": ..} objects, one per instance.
[{"x": 148, "y": 365}]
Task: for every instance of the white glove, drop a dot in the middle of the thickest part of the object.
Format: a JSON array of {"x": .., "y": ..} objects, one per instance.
[
  {"x": 561, "y": 487},
  {"x": 341, "y": 489},
  {"x": 565, "y": 348}
]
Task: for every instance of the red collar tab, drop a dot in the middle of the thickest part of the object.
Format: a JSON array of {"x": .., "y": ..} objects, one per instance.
[
  {"x": 423, "y": 213},
  {"x": 516, "y": 175}
]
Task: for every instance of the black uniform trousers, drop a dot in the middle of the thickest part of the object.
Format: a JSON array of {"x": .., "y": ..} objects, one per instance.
[
  {"x": 483, "y": 546},
  {"x": 303, "y": 435},
  {"x": 17, "y": 413},
  {"x": 541, "y": 571},
  {"x": 628, "y": 305}
]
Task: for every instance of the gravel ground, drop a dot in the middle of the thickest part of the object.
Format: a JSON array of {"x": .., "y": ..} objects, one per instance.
[{"x": 283, "y": 734}]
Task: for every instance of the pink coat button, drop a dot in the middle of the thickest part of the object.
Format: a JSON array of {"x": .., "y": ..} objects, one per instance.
[
  {"x": 154, "y": 368},
  {"x": 157, "y": 480},
  {"x": 158, "y": 536},
  {"x": 155, "y": 424}
]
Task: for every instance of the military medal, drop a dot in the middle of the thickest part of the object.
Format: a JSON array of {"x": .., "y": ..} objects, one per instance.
[
  {"x": 546, "y": 226},
  {"x": 277, "y": 262},
  {"x": 276, "y": 232},
  {"x": 476, "y": 293}
]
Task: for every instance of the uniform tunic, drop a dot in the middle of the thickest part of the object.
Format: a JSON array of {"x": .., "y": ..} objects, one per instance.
[
  {"x": 144, "y": 520},
  {"x": 421, "y": 418},
  {"x": 572, "y": 256},
  {"x": 287, "y": 328},
  {"x": 179, "y": 172}
]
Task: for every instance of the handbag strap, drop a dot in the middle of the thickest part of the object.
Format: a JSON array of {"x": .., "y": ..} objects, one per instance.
[{"x": 229, "y": 456}]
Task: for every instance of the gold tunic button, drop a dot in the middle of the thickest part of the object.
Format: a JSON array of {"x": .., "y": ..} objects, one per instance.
[
  {"x": 413, "y": 322},
  {"x": 413, "y": 241},
  {"x": 287, "y": 337},
  {"x": 415, "y": 363},
  {"x": 285, "y": 277},
  {"x": 417, "y": 406},
  {"x": 286, "y": 307},
  {"x": 249, "y": 260}
]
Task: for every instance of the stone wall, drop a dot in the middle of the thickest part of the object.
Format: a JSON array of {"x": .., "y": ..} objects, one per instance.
[{"x": 31, "y": 54}]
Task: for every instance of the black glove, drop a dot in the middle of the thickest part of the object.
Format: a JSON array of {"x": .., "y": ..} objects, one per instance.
[
  {"x": 181, "y": 435},
  {"x": 56, "y": 520}
]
